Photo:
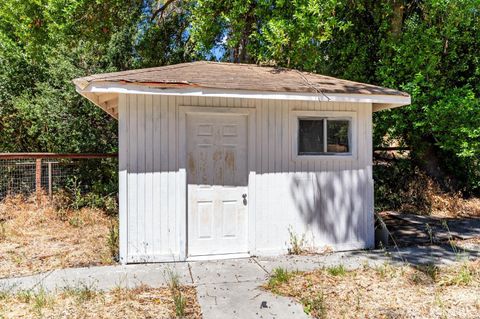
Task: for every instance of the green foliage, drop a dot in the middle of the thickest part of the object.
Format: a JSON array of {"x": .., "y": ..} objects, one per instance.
[
  {"x": 282, "y": 32},
  {"x": 428, "y": 48}
]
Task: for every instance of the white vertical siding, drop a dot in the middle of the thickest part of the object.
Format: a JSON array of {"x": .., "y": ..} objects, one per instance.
[{"x": 329, "y": 200}]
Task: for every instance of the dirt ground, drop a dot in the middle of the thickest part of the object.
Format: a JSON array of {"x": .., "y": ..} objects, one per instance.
[
  {"x": 388, "y": 292},
  {"x": 35, "y": 236},
  {"x": 81, "y": 302}
]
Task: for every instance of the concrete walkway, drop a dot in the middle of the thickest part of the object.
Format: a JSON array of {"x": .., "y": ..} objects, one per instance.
[
  {"x": 409, "y": 229},
  {"x": 231, "y": 288}
]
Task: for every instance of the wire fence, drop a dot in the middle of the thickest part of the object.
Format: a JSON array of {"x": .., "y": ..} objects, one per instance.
[{"x": 30, "y": 173}]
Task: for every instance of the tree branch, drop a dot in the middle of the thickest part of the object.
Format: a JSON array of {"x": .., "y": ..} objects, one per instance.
[{"x": 161, "y": 9}]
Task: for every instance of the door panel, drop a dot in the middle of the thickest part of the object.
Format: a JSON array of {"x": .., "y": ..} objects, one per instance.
[{"x": 217, "y": 181}]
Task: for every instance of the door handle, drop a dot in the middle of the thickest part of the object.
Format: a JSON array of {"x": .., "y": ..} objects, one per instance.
[{"x": 244, "y": 196}]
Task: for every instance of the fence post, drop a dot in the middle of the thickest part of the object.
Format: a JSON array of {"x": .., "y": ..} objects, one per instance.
[
  {"x": 50, "y": 179},
  {"x": 38, "y": 175}
]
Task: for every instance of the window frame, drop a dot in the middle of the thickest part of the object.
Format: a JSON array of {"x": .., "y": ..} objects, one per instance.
[{"x": 351, "y": 117}]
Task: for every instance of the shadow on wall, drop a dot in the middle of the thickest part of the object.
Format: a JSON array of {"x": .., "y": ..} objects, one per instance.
[{"x": 333, "y": 204}]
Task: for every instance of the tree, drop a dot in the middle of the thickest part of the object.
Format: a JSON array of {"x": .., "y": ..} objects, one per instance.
[{"x": 428, "y": 48}]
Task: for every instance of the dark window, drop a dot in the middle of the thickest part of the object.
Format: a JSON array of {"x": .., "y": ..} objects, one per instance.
[
  {"x": 337, "y": 136},
  {"x": 310, "y": 137}
]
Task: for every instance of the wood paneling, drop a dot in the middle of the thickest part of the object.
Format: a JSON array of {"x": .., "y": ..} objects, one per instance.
[{"x": 330, "y": 200}]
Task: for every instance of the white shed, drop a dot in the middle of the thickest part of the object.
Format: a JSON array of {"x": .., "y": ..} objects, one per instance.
[{"x": 220, "y": 160}]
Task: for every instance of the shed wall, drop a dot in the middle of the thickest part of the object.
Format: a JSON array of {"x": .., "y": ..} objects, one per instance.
[{"x": 329, "y": 200}]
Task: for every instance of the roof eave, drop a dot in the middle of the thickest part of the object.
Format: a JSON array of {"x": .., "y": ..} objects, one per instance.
[
  {"x": 406, "y": 100},
  {"x": 106, "y": 101},
  {"x": 379, "y": 101}
]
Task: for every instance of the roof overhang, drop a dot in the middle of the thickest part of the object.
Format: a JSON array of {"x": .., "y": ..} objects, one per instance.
[{"x": 105, "y": 95}]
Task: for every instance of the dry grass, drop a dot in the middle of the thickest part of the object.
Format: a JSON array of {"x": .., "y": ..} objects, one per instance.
[
  {"x": 388, "y": 292},
  {"x": 35, "y": 236},
  {"x": 82, "y": 302},
  {"x": 431, "y": 199},
  {"x": 447, "y": 205}
]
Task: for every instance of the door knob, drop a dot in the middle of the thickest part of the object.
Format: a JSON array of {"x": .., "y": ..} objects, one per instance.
[
  {"x": 244, "y": 196},
  {"x": 244, "y": 199}
]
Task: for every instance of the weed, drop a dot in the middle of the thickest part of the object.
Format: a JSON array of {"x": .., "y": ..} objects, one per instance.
[
  {"x": 297, "y": 244},
  {"x": 24, "y": 296},
  {"x": 180, "y": 304},
  {"x": 3, "y": 230},
  {"x": 173, "y": 280},
  {"x": 384, "y": 270},
  {"x": 315, "y": 306},
  {"x": 430, "y": 270},
  {"x": 456, "y": 250},
  {"x": 441, "y": 305},
  {"x": 178, "y": 299},
  {"x": 429, "y": 230},
  {"x": 110, "y": 205},
  {"x": 416, "y": 278},
  {"x": 62, "y": 214},
  {"x": 75, "y": 221},
  {"x": 41, "y": 299},
  {"x": 279, "y": 276},
  {"x": 73, "y": 198},
  {"x": 76, "y": 199},
  {"x": 5, "y": 292},
  {"x": 338, "y": 270},
  {"x": 112, "y": 240},
  {"x": 463, "y": 277},
  {"x": 82, "y": 293}
]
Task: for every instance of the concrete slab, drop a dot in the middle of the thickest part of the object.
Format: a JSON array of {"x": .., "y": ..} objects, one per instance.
[
  {"x": 103, "y": 278},
  {"x": 409, "y": 229},
  {"x": 226, "y": 271},
  {"x": 309, "y": 263},
  {"x": 433, "y": 254},
  {"x": 245, "y": 300}
]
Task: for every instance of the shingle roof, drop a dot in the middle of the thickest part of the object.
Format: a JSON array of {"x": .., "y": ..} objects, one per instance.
[{"x": 230, "y": 76}]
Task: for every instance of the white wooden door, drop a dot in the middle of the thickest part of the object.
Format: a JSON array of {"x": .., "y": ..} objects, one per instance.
[{"x": 217, "y": 183}]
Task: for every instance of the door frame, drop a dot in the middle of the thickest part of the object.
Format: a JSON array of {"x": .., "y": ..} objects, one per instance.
[{"x": 182, "y": 221}]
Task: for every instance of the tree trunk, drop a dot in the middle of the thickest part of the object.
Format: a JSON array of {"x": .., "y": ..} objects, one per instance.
[{"x": 397, "y": 18}]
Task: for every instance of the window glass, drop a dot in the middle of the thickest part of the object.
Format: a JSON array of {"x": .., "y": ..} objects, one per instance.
[
  {"x": 337, "y": 136},
  {"x": 310, "y": 137}
]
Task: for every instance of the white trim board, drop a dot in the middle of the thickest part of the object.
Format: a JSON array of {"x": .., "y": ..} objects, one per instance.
[{"x": 383, "y": 101}]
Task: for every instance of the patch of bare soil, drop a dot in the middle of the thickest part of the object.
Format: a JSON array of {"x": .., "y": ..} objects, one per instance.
[
  {"x": 387, "y": 292},
  {"x": 35, "y": 236},
  {"x": 142, "y": 302}
]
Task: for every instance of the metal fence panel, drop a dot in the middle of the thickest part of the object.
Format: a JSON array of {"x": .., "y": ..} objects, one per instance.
[{"x": 28, "y": 175}]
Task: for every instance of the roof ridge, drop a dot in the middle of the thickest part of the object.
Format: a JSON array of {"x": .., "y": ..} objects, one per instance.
[{"x": 104, "y": 76}]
